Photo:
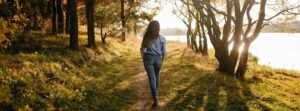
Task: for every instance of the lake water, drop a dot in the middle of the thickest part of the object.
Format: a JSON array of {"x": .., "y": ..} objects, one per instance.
[{"x": 278, "y": 50}]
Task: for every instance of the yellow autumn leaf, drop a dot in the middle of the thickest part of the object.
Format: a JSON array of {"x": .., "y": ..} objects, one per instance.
[
  {"x": 3, "y": 26},
  {"x": 2, "y": 37}
]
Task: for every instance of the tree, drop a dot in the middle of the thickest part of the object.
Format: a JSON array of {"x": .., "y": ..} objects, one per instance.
[
  {"x": 186, "y": 18},
  {"x": 189, "y": 16},
  {"x": 239, "y": 29},
  {"x": 67, "y": 22},
  {"x": 72, "y": 5},
  {"x": 106, "y": 19},
  {"x": 128, "y": 12},
  {"x": 54, "y": 13},
  {"x": 90, "y": 19},
  {"x": 202, "y": 44},
  {"x": 23, "y": 15},
  {"x": 123, "y": 20},
  {"x": 135, "y": 16},
  {"x": 60, "y": 16},
  {"x": 43, "y": 8}
]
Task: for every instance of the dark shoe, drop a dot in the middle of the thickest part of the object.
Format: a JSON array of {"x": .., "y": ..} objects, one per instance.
[{"x": 155, "y": 103}]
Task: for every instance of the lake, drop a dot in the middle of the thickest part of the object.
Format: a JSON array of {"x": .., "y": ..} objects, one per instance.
[{"x": 278, "y": 50}]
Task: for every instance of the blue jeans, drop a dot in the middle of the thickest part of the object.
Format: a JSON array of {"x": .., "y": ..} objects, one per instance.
[{"x": 152, "y": 64}]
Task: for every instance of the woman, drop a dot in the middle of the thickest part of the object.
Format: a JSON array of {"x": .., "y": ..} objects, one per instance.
[{"x": 153, "y": 51}]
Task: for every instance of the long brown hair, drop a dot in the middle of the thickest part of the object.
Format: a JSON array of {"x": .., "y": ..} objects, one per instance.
[{"x": 151, "y": 33}]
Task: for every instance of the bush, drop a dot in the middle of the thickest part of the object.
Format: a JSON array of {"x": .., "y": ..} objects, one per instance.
[{"x": 4, "y": 41}]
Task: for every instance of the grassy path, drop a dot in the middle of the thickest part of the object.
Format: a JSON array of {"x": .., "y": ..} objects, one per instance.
[
  {"x": 141, "y": 86},
  {"x": 45, "y": 75}
]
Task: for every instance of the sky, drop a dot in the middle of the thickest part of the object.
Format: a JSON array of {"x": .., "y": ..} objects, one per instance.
[{"x": 168, "y": 20}]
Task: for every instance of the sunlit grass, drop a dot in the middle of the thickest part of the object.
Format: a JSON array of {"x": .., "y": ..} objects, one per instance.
[
  {"x": 190, "y": 82},
  {"x": 45, "y": 75},
  {"x": 48, "y": 76}
]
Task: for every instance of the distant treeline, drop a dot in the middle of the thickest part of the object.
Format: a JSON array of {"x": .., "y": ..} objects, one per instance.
[
  {"x": 173, "y": 31},
  {"x": 292, "y": 27}
]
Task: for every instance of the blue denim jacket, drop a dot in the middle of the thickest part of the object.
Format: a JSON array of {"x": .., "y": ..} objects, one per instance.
[{"x": 156, "y": 48}]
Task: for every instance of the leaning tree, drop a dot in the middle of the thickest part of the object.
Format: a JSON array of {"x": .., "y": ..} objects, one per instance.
[
  {"x": 235, "y": 24},
  {"x": 190, "y": 17},
  {"x": 183, "y": 14}
]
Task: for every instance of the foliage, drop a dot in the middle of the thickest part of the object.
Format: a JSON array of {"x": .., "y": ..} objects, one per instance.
[
  {"x": 136, "y": 14},
  {"x": 3, "y": 26},
  {"x": 21, "y": 16},
  {"x": 107, "y": 18},
  {"x": 4, "y": 41}
]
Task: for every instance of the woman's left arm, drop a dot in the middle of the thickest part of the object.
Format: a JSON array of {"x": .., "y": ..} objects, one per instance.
[
  {"x": 142, "y": 50},
  {"x": 163, "y": 48}
]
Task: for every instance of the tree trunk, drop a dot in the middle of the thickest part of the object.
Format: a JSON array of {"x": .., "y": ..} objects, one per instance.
[
  {"x": 34, "y": 19},
  {"x": 135, "y": 28},
  {"x": 49, "y": 9},
  {"x": 233, "y": 63},
  {"x": 90, "y": 20},
  {"x": 123, "y": 20},
  {"x": 60, "y": 16},
  {"x": 237, "y": 34},
  {"x": 193, "y": 42},
  {"x": 205, "y": 47},
  {"x": 72, "y": 5},
  {"x": 188, "y": 41},
  {"x": 198, "y": 32},
  {"x": 200, "y": 47},
  {"x": 42, "y": 8},
  {"x": 243, "y": 61},
  {"x": 67, "y": 22},
  {"x": 221, "y": 55},
  {"x": 103, "y": 37},
  {"x": 54, "y": 27}
]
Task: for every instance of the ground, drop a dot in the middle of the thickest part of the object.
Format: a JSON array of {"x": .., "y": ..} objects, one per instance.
[{"x": 43, "y": 74}]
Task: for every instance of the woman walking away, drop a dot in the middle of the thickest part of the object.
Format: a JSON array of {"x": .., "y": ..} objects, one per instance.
[{"x": 153, "y": 51}]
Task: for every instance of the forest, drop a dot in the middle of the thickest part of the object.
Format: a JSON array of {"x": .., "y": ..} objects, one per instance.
[{"x": 85, "y": 55}]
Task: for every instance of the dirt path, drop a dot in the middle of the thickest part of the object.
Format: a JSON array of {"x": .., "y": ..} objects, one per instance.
[
  {"x": 140, "y": 82},
  {"x": 143, "y": 94}
]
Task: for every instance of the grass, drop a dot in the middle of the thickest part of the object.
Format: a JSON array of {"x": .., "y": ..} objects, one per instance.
[
  {"x": 44, "y": 74},
  {"x": 190, "y": 82}
]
